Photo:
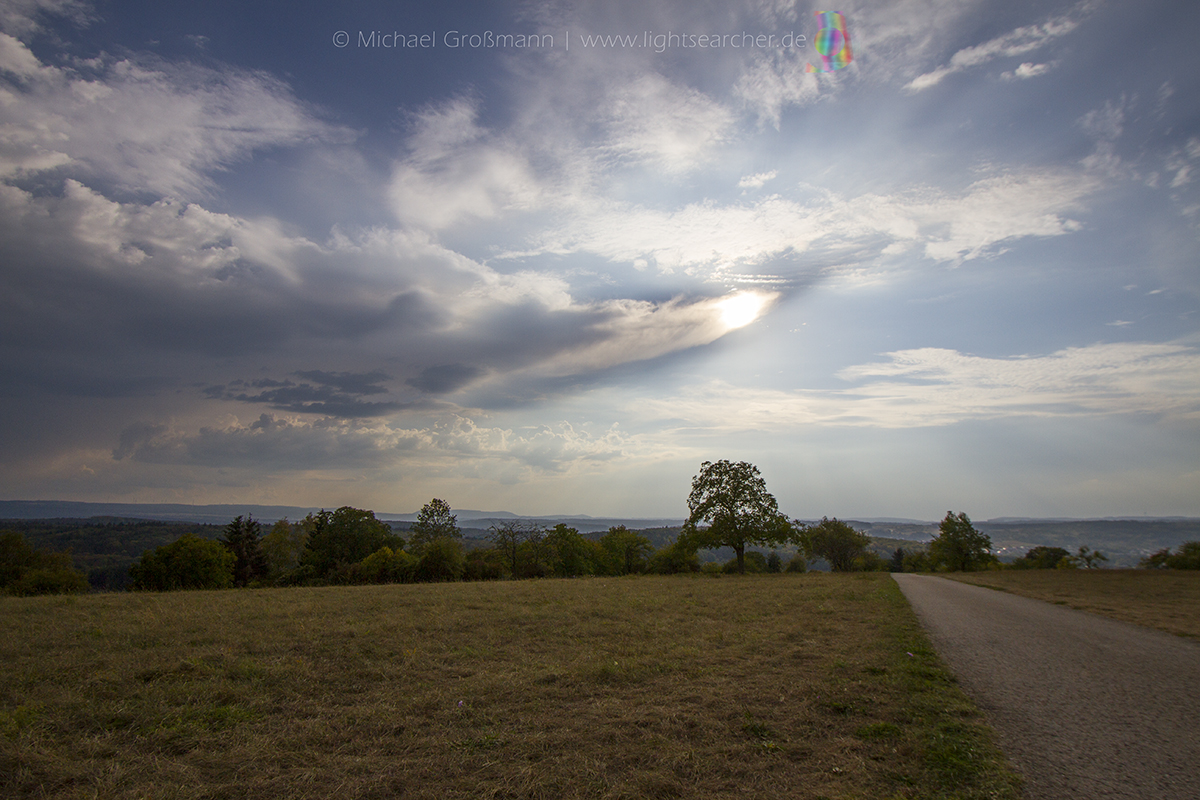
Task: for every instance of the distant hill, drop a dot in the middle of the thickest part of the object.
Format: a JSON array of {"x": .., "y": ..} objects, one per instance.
[{"x": 222, "y": 513}]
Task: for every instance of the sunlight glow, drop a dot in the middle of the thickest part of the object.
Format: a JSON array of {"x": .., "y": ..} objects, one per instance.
[{"x": 739, "y": 310}]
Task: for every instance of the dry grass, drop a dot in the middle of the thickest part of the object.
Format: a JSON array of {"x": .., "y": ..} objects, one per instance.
[
  {"x": 1165, "y": 599},
  {"x": 765, "y": 686}
]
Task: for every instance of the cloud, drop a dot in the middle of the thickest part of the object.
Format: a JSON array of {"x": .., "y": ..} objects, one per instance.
[
  {"x": 757, "y": 180},
  {"x": 20, "y": 18},
  {"x": 334, "y": 394},
  {"x": 456, "y": 170},
  {"x": 143, "y": 123},
  {"x": 1026, "y": 71},
  {"x": 719, "y": 240},
  {"x": 663, "y": 125},
  {"x": 1014, "y": 43},
  {"x": 289, "y": 444},
  {"x": 929, "y": 387},
  {"x": 442, "y": 378}
]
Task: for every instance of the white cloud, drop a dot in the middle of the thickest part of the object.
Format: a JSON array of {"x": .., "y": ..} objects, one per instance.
[
  {"x": 757, "y": 180},
  {"x": 934, "y": 387},
  {"x": 1015, "y": 43},
  {"x": 20, "y": 17},
  {"x": 457, "y": 170},
  {"x": 723, "y": 239},
  {"x": 145, "y": 125},
  {"x": 1026, "y": 71},
  {"x": 769, "y": 84},
  {"x": 281, "y": 444},
  {"x": 663, "y": 125}
]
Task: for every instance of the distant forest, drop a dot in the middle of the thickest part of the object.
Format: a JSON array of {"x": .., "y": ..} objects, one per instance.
[{"x": 106, "y": 547}]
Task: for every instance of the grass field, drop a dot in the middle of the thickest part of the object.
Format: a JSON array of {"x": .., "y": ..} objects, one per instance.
[
  {"x": 1165, "y": 599},
  {"x": 802, "y": 686}
]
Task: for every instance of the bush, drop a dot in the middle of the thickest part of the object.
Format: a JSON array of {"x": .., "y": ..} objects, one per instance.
[
  {"x": 677, "y": 557},
  {"x": 1041, "y": 558},
  {"x": 187, "y": 563},
  {"x": 483, "y": 564},
  {"x": 870, "y": 561},
  {"x": 1186, "y": 557},
  {"x": 917, "y": 562},
  {"x": 385, "y": 566},
  {"x": 442, "y": 561},
  {"x": 755, "y": 562},
  {"x": 797, "y": 564},
  {"x": 26, "y": 571}
]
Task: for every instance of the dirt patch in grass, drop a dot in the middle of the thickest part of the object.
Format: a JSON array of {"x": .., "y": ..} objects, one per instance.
[
  {"x": 810, "y": 686},
  {"x": 1168, "y": 600}
]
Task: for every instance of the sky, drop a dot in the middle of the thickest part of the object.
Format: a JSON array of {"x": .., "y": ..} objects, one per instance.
[{"x": 550, "y": 257}]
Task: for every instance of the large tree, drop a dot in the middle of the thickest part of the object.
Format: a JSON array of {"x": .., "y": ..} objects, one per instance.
[
  {"x": 243, "y": 537},
  {"x": 739, "y": 511},
  {"x": 338, "y": 539},
  {"x": 959, "y": 547},
  {"x": 434, "y": 522},
  {"x": 625, "y": 550},
  {"x": 509, "y": 536},
  {"x": 834, "y": 541}
]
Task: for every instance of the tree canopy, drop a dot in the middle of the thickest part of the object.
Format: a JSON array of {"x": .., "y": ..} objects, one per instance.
[
  {"x": 25, "y": 570},
  {"x": 959, "y": 547},
  {"x": 1186, "y": 556},
  {"x": 187, "y": 563},
  {"x": 243, "y": 537},
  {"x": 434, "y": 522},
  {"x": 1041, "y": 557},
  {"x": 740, "y": 512},
  {"x": 339, "y": 539},
  {"x": 834, "y": 541}
]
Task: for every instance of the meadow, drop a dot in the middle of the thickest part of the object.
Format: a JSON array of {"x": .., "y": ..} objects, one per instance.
[
  {"x": 766, "y": 686},
  {"x": 1168, "y": 599}
]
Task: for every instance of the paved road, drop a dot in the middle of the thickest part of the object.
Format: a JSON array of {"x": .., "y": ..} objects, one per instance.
[{"x": 1084, "y": 706}]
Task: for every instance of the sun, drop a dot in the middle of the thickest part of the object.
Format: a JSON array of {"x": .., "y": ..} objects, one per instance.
[{"x": 739, "y": 310}]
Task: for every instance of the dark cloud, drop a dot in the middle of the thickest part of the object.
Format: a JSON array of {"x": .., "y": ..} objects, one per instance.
[
  {"x": 269, "y": 442},
  {"x": 348, "y": 382},
  {"x": 333, "y": 394},
  {"x": 444, "y": 378}
]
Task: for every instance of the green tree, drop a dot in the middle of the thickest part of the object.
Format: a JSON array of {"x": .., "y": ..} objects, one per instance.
[
  {"x": 733, "y": 500},
  {"x": 483, "y": 564},
  {"x": 508, "y": 537},
  {"x": 834, "y": 541},
  {"x": 434, "y": 522},
  {"x": 570, "y": 553},
  {"x": 1187, "y": 556},
  {"x": 774, "y": 562},
  {"x": 244, "y": 540},
  {"x": 339, "y": 539},
  {"x": 187, "y": 563},
  {"x": 897, "y": 562},
  {"x": 959, "y": 547},
  {"x": 441, "y": 560},
  {"x": 677, "y": 557},
  {"x": 626, "y": 550},
  {"x": 1088, "y": 558},
  {"x": 1041, "y": 557},
  {"x": 753, "y": 564},
  {"x": 796, "y": 564},
  {"x": 25, "y": 570},
  {"x": 283, "y": 545}
]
